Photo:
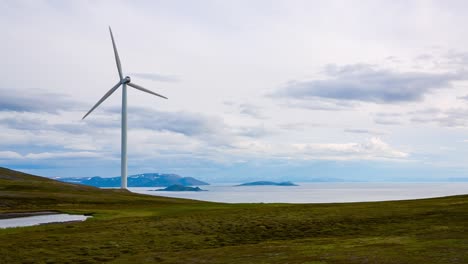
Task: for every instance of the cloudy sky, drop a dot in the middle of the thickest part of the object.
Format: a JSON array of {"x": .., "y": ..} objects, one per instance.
[{"x": 280, "y": 90}]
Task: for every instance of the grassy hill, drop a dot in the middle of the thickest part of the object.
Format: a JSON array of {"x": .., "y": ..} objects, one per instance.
[
  {"x": 134, "y": 228},
  {"x": 23, "y": 192}
]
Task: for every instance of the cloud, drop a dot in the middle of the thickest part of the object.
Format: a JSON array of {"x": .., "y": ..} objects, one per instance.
[
  {"x": 454, "y": 57},
  {"x": 153, "y": 133},
  {"x": 9, "y": 155},
  {"x": 23, "y": 122},
  {"x": 49, "y": 155},
  {"x": 452, "y": 117},
  {"x": 300, "y": 126},
  {"x": 371, "y": 149},
  {"x": 320, "y": 104},
  {"x": 52, "y": 155},
  {"x": 253, "y": 132},
  {"x": 208, "y": 128},
  {"x": 247, "y": 109},
  {"x": 388, "y": 118},
  {"x": 35, "y": 122},
  {"x": 34, "y": 101},
  {"x": 363, "y": 131},
  {"x": 424, "y": 57},
  {"x": 251, "y": 110},
  {"x": 156, "y": 77},
  {"x": 182, "y": 122},
  {"x": 367, "y": 83},
  {"x": 387, "y": 122}
]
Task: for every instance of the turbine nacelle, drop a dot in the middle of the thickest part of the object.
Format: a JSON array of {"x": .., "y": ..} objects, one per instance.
[{"x": 125, "y": 80}]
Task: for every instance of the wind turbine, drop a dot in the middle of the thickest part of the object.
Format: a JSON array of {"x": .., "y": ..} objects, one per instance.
[{"x": 122, "y": 82}]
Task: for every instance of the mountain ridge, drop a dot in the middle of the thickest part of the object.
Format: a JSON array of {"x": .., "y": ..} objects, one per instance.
[{"x": 137, "y": 180}]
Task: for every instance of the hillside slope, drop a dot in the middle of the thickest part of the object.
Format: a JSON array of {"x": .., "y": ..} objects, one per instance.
[
  {"x": 132, "y": 228},
  {"x": 21, "y": 191}
]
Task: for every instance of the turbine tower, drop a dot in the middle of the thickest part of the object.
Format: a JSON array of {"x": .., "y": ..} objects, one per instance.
[{"x": 122, "y": 82}]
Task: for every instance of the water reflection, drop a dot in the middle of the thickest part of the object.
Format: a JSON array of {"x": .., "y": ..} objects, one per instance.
[{"x": 40, "y": 219}]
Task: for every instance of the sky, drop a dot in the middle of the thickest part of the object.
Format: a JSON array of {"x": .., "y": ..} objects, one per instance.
[{"x": 258, "y": 90}]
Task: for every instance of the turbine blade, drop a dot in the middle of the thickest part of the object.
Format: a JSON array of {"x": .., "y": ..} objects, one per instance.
[
  {"x": 112, "y": 90},
  {"x": 117, "y": 59},
  {"x": 136, "y": 86}
]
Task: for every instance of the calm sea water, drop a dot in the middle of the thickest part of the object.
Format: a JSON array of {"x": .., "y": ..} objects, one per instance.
[
  {"x": 316, "y": 192},
  {"x": 40, "y": 219}
]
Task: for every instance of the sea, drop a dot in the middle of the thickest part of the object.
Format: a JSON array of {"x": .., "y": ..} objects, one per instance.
[{"x": 316, "y": 192}]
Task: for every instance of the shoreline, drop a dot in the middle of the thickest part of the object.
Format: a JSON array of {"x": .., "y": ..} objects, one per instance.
[{"x": 26, "y": 214}]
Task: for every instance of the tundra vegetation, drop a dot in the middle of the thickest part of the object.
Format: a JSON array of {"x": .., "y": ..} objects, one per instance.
[{"x": 134, "y": 228}]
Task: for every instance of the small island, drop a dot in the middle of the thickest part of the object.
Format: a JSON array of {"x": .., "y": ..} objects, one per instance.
[
  {"x": 180, "y": 188},
  {"x": 264, "y": 183}
]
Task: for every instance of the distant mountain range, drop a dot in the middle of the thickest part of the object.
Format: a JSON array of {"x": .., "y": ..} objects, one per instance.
[{"x": 139, "y": 180}]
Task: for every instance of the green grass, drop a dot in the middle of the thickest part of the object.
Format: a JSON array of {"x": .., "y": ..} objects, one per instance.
[{"x": 133, "y": 228}]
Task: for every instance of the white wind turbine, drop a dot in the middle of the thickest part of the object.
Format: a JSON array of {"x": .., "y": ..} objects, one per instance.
[{"x": 124, "y": 82}]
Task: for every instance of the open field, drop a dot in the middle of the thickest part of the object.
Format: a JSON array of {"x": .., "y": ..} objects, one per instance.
[{"x": 133, "y": 228}]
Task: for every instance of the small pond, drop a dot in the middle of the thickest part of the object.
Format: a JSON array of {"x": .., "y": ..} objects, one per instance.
[{"x": 40, "y": 219}]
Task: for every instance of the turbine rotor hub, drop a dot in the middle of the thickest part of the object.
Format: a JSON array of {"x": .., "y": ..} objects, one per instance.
[{"x": 126, "y": 79}]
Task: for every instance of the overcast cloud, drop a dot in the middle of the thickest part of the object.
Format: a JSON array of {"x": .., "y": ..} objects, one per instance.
[
  {"x": 368, "y": 83},
  {"x": 156, "y": 77},
  {"x": 270, "y": 89},
  {"x": 34, "y": 100}
]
